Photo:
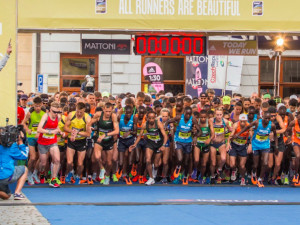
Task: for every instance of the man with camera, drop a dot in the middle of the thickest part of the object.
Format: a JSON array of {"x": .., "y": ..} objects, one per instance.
[{"x": 12, "y": 148}]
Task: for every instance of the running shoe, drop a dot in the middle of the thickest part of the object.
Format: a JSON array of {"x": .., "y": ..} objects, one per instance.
[
  {"x": 227, "y": 175},
  {"x": 18, "y": 196},
  {"x": 98, "y": 179},
  {"x": 200, "y": 179},
  {"x": 102, "y": 181},
  {"x": 254, "y": 180},
  {"x": 133, "y": 170},
  {"x": 297, "y": 184},
  {"x": 72, "y": 180},
  {"x": 150, "y": 181},
  {"x": 57, "y": 181},
  {"x": 83, "y": 181},
  {"x": 53, "y": 183},
  {"x": 90, "y": 180},
  {"x": 115, "y": 178},
  {"x": 185, "y": 181},
  {"x": 77, "y": 180},
  {"x": 42, "y": 178},
  {"x": 141, "y": 180},
  {"x": 63, "y": 179},
  {"x": 219, "y": 180},
  {"x": 102, "y": 173},
  {"x": 272, "y": 181},
  {"x": 106, "y": 180},
  {"x": 212, "y": 180},
  {"x": 119, "y": 174},
  {"x": 36, "y": 178},
  {"x": 243, "y": 182},
  {"x": 233, "y": 175},
  {"x": 286, "y": 180},
  {"x": 176, "y": 181},
  {"x": 127, "y": 180},
  {"x": 94, "y": 176},
  {"x": 177, "y": 171},
  {"x": 260, "y": 183},
  {"x": 30, "y": 179},
  {"x": 154, "y": 173},
  {"x": 296, "y": 178},
  {"x": 194, "y": 174},
  {"x": 135, "y": 179},
  {"x": 164, "y": 181},
  {"x": 69, "y": 177}
]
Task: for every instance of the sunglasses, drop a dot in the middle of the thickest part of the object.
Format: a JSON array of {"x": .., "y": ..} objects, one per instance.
[
  {"x": 273, "y": 116},
  {"x": 56, "y": 112}
]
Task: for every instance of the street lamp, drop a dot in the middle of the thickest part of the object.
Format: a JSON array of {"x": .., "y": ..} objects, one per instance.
[
  {"x": 279, "y": 49},
  {"x": 280, "y": 42}
]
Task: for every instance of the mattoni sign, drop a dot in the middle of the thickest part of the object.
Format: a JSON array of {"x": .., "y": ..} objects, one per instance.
[
  {"x": 232, "y": 48},
  {"x": 105, "y": 46}
]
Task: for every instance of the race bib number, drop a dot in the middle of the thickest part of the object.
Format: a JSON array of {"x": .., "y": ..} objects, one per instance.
[
  {"x": 239, "y": 141},
  {"x": 34, "y": 129},
  {"x": 122, "y": 134},
  {"x": 219, "y": 131},
  {"x": 48, "y": 136},
  {"x": 183, "y": 135},
  {"x": 298, "y": 135},
  {"x": 202, "y": 139},
  {"x": 153, "y": 137},
  {"x": 261, "y": 138}
]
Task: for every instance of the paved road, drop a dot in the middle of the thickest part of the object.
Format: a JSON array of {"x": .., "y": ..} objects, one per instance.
[{"x": 20, "y": 215}]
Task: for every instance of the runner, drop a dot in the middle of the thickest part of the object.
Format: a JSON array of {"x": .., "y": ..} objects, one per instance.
[
  {"x": 76, "y": 126},
  {"x": 107, "y": 127},
  {"x": 260, "y": 145},
  {"x": 238, "y": 148},
  {"x": 31, "y": 123},
  {"x": 183, "y": 142},
  {"x": 47, "y": 142},
  {"x": 156, "y": 139}
]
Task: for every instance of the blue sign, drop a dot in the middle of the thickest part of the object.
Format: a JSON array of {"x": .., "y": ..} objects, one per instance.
[{"x": 40, "y": 83}]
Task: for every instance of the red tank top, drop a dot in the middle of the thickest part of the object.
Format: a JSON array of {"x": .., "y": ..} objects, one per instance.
[{"x": 49, "y": 139}]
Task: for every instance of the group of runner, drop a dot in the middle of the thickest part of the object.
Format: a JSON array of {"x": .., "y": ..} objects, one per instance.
[{"x": 145, "y": 139}]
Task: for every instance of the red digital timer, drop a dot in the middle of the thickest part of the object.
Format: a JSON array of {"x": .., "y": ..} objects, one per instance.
[{"x": 170, "y": 45}]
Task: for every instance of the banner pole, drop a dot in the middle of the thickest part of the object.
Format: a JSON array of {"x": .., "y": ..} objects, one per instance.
[{"x": 224, "y": 91}]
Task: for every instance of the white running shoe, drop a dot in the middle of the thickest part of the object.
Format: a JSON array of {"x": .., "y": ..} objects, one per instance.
[
  {"x": 243, "y": 182},
  {"x": 30, "y": 179},
  {"x": 36, "y": 178},
  {"x": 150, "y": 181},
  {"x": 154, "y": 172},
  {"x": 94, "y": 176},
  {"x": 102, "y": 173},
  {"x": 233, "y": 175},
  {"x": 106, "y": 181}
]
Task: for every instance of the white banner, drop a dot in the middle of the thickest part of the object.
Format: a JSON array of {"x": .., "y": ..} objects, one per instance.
[
  {"x": 217, "y": 72},
  {"x": 234, "y": 72}
]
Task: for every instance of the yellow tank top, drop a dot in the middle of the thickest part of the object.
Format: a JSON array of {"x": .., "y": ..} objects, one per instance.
[{"x": 78, "y": 124}]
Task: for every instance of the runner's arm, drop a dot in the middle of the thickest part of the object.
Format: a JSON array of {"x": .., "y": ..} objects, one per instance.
[
  {"x": 195, "y": 123},
  {"x": 211, "y": 127},
  {"x": 163, "y": 132},
  {"x": 24, "y": 122},
  {"x": 68, "y": 123},
  {"x": 172, "y": 120},
  {"x": 116, "y": 126},
  {"x": 87, "y": 131},
  {"x": 40, "y": 128},
  {"x": 254, "y": 123},
  {"x": 138, "y": 138},
  {"x": 281, "y": 124}
]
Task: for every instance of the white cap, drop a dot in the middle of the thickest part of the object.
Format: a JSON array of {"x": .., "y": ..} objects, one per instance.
[
  {"x": 294, "y": 96},
  {"x": 243, "y": 117},
  {"x": 169, "y": 94},
  {"x": 123, "y": 102},
  {"x": 87, "y": 76},
  {"x": 279, "y": 105}
]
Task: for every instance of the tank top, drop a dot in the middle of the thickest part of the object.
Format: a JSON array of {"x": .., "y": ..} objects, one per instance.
[
  {"x": 219, "y": 129},
  {"x": 78, "y": 124},
  {"x": 296, "y": 132},
  {"x": 279, "y": 136},
  {"x": 242, "y": 138},
  {"x": 126, "y": 127},
  {"x": 260, "y": 138},
  {"x": 285, "y": 123},
  {"x": 34, "y": 121},
  {"x": 104, "y": 127},
  {"x": 153, "y": 135},
  {"x": 184, "y": 130},
  {"x": 140, "y": 125},
  {"x": 204, "y": 136},
  {"x": 48, "y": 139}
]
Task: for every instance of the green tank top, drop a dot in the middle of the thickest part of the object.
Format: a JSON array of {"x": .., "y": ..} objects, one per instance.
[
  {"x": 204, "y": 136},
  {"x": 34, "y": 121},
  {"x": 105, "y": 126}
]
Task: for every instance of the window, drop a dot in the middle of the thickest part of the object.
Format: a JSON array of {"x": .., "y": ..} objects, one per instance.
[
  {"x": 74, "y": 68},
  {"x": 173, "y": 68}
]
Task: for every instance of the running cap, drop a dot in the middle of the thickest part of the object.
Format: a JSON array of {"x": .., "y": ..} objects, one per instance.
[
  {"x": 279, "y": 105},
  {"x": 169, "y": 94},
  {"x": 24, "y": 97},
  {"x": 294, "y": 96},
  {"x": 226, "y": 100},
  {"x": 105, "y": 94},
  {"x": 243, "y": 117},
  {"x": 266, "y": 96},
  {"x": 216, "y": 100}
]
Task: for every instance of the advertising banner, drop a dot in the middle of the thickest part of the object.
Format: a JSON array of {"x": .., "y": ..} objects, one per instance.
[
  {"x": 105, "y": 46},
  {"x": 8, "y": 92},
  {"x": 232, "y": 48},
  {"x": 168, "y": 15},
  {"x": 234, "y": 73},
  {"x": 154, "y": 74}
]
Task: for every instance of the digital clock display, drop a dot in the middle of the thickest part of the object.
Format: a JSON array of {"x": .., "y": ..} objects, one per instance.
[{"x": 170, "y": 45}]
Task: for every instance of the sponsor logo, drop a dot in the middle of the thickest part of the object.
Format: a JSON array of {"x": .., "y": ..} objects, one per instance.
[{"x": 151, "y": 69}]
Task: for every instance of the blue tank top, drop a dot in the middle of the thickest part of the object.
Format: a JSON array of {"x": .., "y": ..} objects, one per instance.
[
  {"x": 260, "y": 140},
  {"x": 125, "y": 127},
  {"x": 184, "y": 131}
]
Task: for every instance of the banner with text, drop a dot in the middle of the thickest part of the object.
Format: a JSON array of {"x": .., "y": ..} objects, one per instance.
[
  {"x": 232, "y": 48},
  {"x": 169, "y": 15},
  {"x": 105, "y": 46},
  {"x": 154, "y": 74}
]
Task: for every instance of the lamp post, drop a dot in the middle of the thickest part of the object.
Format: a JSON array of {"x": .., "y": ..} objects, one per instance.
[{"x": 279, "y": 49}]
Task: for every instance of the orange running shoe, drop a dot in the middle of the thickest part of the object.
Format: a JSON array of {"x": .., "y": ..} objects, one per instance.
[
  {"x": 177, "y": 171},
  {"x": 254, "y": 180},
  {"x": 297, "y": 184},
  {"x": 145, "y": 179},
  {"x": 83, "y": 181},
  {"x": 133, "y": 170},
  {"x": 260, "y": 184},
  {"x": 119, "y": 174},
  {"x": 63, "y": 179},
  {"x": 72, "y": 180},
  {"x": 141, "y": 180},
  {"x": 90, "y": 181},
  {"x": 127, "y": 180},
  {"x": 296, "y": 178},
  {"x": 185, "y": 181}
]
